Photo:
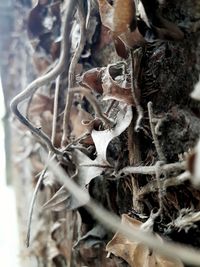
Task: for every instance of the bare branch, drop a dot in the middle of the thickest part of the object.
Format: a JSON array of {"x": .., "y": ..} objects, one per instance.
[
  {"x": 171, "y": 167},
  {"x": 55, "y": 110},
  {"x": 71, "y": 75}
]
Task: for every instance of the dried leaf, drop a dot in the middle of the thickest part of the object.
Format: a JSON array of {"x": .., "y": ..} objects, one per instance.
[
  {"x": 123, "y": 16},
  {"x": 77, "y": 118},
  {"x": 39, "y": 104},
  {"x": 106, "y": 12},
  {"x": 120, "y": 48},
  {"x": 135, "y": 253},
  {"x": 58, "y": 201},
  {"x": 94, "y": 236},
  {"x": 92, "y": 79},
  {"x": 130, "y": 39},
  {"x": 115, "y": 86},
  {"x": 102, "y": 138}
]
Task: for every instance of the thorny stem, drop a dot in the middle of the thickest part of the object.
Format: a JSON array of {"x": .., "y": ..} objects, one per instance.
[
  {"x": 155, "y": 138},
  {"x": 32, "y": 87},
  {"x": 71, "y": 75},
  {"x": 170, "y": 249}
]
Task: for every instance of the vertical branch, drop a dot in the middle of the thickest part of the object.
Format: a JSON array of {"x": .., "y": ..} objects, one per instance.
[
  {"x": 135, "y": 68},
  {"x": 71, "y": 75},
  {"x": 133, "y": 138},
  {"x": 55, "y": 110},
  {"x": 155, "y": 138}
]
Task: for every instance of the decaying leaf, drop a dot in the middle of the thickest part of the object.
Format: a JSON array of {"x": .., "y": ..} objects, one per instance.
[
  {"x": 39, "y": 104},
  {"x": 124, "y": 15},
  {"x": 59, "y": 200},
  {"x": 115, "y": 85},
  {"x": 78, "y": 117},
  {"x": 135, "y": 253},
  {"x": 121, "y": 20},
  {"x": 112, "y": 22},
  {"x": 93, "y": 79},
  {"x": 111, "y": 81},
  {"x": 106, "y": 12}
]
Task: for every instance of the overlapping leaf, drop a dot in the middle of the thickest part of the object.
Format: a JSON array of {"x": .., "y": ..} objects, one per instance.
[{"x": 135, "y": 253}]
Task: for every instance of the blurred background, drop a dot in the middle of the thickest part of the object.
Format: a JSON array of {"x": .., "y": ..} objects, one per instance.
[{"x": 10, "y": 40}]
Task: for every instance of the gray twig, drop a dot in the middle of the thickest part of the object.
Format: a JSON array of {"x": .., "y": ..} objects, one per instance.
[
  {"x": 94, "y": 103},
  {"x": 165, "y": 168},
  {"x": 71, "y": 75},
  {"x": 33, "y": 199}
]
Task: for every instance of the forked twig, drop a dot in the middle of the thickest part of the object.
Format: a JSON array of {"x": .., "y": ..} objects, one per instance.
[
  {"x": 170, "y": 249},
  {"x": 32, "y": 87}
]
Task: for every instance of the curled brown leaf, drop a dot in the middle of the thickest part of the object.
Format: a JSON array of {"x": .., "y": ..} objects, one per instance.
[{"x": 135, "y": 253}]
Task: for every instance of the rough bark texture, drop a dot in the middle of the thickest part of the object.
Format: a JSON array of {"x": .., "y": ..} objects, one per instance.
[{"x": 168, "y": 71}]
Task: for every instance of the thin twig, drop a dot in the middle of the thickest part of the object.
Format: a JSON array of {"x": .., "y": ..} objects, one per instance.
[
  {"x": 94, "y": 103},
  {"x": 40, "y": 180},
  {"x": 48, "y": 77},
  {"x": 33, "y": 199},
  {"x": 134, "y": 159},
  {"x": 171, "y": 167},
  {"x": 71, "y": 75},
  {"x": 171, "y": 181},
  {"x": 155, "y": 138},
  {"x": 158, "y": 174},
  {"x": 170, "y": 249},
  {"x": 55, "y": 110},
  {"x": 134, "y": 77}
]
